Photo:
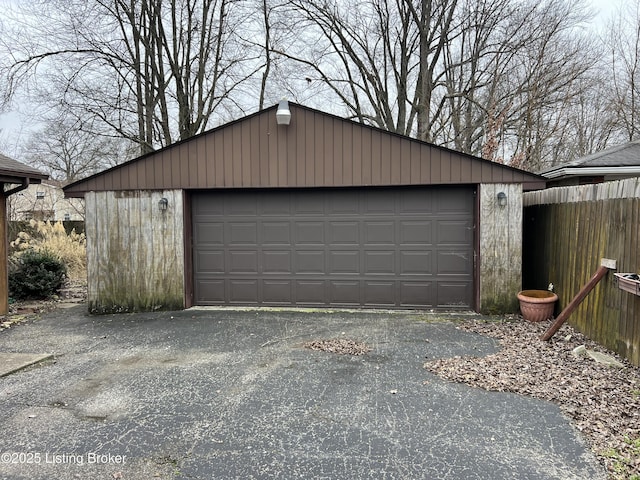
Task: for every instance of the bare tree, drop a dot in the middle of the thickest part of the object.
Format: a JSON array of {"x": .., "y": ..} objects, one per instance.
[
  {"x": 513, "y": 74},
  {"x": 364, "y": 52},
  {"x": 553, "y": 64},
  {"x": 149, "y": 71},
  {"x": 68, "y": 150},
  {"x": 622, "y": 42},
  {"x": 265, "y": 24},
  {"x": 450, "y": 71},
  {"x": 513, "y": 81},
  {"x": 267, "y": 49},
  {"x": 435, "y": 22},
  {"x": 476, "y": 62}
]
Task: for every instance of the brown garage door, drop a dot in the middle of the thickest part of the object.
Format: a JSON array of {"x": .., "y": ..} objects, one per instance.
[{"x": 391, "y": 248}]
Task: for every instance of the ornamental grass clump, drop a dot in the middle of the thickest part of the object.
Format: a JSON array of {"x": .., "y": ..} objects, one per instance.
[{"x": 52, "y": 238}]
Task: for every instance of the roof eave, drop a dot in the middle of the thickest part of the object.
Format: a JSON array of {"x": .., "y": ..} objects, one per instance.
[
  {"x": 577, "y": 171},
  {"x": 17, "y": 178}
]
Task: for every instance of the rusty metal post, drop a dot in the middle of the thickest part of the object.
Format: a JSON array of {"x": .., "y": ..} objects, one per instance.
[{"x": 600, "y": 273}]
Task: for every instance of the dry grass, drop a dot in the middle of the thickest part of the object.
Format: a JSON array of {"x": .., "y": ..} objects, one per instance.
[{"x": 52, "y": 237}]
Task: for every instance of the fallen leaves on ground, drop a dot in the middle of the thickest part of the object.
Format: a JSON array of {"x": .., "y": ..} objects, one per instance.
[
  {"x": 339, "y": 345},
  {"x": 603, "y": 402}
]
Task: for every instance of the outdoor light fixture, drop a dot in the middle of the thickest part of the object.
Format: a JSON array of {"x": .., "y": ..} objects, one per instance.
[
  {"x": 502, "y": 199},
  {"x": 163, "y": 204},
  {"x": 283, "y": 114}
]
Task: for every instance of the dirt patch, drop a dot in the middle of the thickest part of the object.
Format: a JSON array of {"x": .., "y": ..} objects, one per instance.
[
  {"x": 602, "y": 401},
  {"x": 341, "y": 346},
  {"x": 72, "y": 293}
]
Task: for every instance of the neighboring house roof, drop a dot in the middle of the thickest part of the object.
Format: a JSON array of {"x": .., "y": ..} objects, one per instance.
[
  {"x": 316, "y": 149},
  {"x": 12, "y": 171},
  {"x": 619, "y": 160}
]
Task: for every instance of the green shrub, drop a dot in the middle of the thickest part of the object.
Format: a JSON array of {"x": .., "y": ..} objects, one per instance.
[
  {"x": 36, "y": 275},
  {"x": 70, "y": 247}
]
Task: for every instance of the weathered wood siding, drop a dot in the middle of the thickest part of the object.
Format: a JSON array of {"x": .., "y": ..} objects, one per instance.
[
  {"x": 500, "y": 248},
  {"x": 567, "y": 231},
  {"x": 135, "y": 252}
]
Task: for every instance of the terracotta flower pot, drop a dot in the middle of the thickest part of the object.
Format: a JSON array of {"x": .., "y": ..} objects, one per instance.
[{"x": 537, "y": 305}]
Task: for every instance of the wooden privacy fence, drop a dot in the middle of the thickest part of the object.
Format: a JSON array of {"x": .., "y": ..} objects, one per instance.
[{"x": 567, "y": 230}]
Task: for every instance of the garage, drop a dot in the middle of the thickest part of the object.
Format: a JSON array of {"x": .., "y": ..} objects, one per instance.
[
  {"x": 318, "y": 211},
  {"x": 385, "y": 247}
]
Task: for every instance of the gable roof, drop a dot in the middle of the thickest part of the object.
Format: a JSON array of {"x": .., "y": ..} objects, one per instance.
[
  {"x": 12, "y": 171},
  {"x": 619, "y": 160},
  {"x": 316, "y": 149}
]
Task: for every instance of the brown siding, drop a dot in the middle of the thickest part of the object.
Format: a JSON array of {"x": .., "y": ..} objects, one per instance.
[
  {"x": 315, "y": 150},
  {"x": 370, "y": 157},
  {"x": 216, "y": 162}
]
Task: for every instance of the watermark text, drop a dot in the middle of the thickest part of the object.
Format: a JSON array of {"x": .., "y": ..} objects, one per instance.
[{"x": 58, "y": 458}]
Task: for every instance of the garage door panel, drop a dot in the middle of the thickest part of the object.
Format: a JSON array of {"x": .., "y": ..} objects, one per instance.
[
  {"x": 276, "y": 262},
  {"x": 379, "y": 262},
  {"x": 413, "y": 294},
  {"x": 245, "y": 233},
  {"x": 455, "y": 232},
  {"x": 208, "y": 233},
  {"x": 383, "y": 247},
  {"x": 310, "y": 292},
  {"x": 279, "y": 205},
  {"x": 210, "y": 261},
  {"x": 243, "y": 261},
  {"x": 379, "y": 293},
  {"x": 379, "y": 233},
  {"x": 311, "y": 233},
  {"x": 209, "y": 205},
  {"x": 312, "y": 203},
  {"x": 374, "y": 205},
  {"x": 416, "y": 202},
  {"x": 310, "y": 262},
  {"x": 414, "y": 232},
  {"x": 453, "y": 294},
  {"x": 343, "y": 233},
  {"x": 276, "y": 233},
  {"x": 211, "y": 292},
  {"x": 243, "y": 291},
  {"x": 452, "y": 202},
  {"x": 455, "y": 262},
  {"x": 237, "y": 204},
  {"x": 345, "y": 292},
  {"x": 343, "y": 203},
  {"x": 343, "y": 262},
  {"x": 277, "y": 292},
  {"x": 416, "y": 263}
]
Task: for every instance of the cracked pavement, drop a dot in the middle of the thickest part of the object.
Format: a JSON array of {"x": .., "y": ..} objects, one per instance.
[{"x": 225, "y": 394}]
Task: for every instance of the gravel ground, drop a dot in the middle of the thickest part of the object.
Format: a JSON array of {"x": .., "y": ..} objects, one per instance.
[{"x": 602, "y": 401}]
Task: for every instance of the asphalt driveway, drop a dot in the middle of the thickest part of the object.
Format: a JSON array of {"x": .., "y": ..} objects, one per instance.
[{"x": 221, "y": 394}]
